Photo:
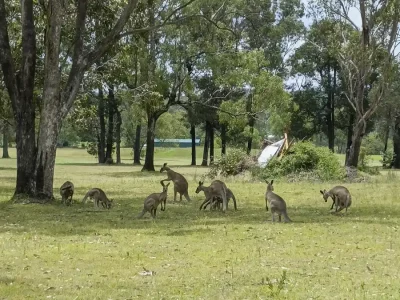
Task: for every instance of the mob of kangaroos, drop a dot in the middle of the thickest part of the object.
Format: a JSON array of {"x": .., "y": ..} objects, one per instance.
[
  {"x": 180, "y": 183},
  {"x": 212, "y": 200}
]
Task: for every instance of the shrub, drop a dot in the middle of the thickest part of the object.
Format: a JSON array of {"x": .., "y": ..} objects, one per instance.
[
  {"x": 305, "y": 158},
  {"x": 233, "y": 163}
]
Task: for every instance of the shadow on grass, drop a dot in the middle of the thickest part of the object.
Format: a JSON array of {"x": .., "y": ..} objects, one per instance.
[
  {"x": 177, "y": 220},
  {"x": 7, "y": 169}
]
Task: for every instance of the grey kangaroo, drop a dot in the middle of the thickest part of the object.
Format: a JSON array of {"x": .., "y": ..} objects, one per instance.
[
  {"x": 215, "y": 201},
  {"x": 340, "y": 195},
  {"x": 152, "y": 201},
  {"x": 66, "y": 192},
  {"x": 98, "y": 196},
  {"x": 180, "y": 183},
  {"x": 277, "y": 204}
]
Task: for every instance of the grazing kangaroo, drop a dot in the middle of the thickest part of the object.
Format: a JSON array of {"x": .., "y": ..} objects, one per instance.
[
  {"x": 215, "y": 201},
  {"x": 217, "y": 189},
  {"x": 276, "y": 203},
  {"x": 98, "y": 196},
  {"x": 180, "y": 183},
  {"x": 152, "y": 201},
  {"x": 340, "y": 196},
  {"x": 66, "y": 192}
]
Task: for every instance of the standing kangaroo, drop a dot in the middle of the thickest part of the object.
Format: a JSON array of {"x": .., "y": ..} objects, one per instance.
[
  {"x": 217, "y": 200},
  {"x": 66, "y": 192},
  {"x": 340, "y": 196},
  {"x": 180, "y": 183},
  {"x": 277, "y": 204},
  {"x": 217, "y": 189},
  {"x": 152, "y": 201},
  {"x": 98, "y": 196}
]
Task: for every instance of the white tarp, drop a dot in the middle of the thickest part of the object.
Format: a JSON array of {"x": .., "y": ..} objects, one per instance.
[{"x": 269, "y": 152}]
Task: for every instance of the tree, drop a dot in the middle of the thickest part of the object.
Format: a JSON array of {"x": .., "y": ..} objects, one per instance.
[
  {"x": 366, "y": 59},
  {"x": 35, "y": 163}
]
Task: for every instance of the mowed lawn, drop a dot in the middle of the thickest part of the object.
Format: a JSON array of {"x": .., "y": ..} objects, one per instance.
[{"x": 58, "y": 252}]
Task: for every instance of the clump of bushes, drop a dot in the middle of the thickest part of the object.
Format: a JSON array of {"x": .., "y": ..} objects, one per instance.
[
  {"x": 304, "y": 160},
  {"x": 236, "y": 161}
]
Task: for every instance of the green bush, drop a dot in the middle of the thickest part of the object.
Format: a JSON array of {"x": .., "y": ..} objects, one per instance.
[
  {"x": 233, "y": 163},
  {"x": 304, "y": 158}
]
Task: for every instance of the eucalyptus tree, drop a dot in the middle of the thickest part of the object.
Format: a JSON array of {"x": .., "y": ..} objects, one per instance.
[{"x": 366, "y": 58}]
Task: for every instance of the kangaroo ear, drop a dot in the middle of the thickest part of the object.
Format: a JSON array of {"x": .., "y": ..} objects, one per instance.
[
  {"x": 321, "y": 191},
  {"x": 165, "y": 164},
  {"x": 199, "y": 182},
  {"x": 272, "y": 181},
  {"x": 267, "y": 181}
]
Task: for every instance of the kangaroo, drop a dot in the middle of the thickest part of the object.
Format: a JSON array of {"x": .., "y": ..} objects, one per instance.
[
  {"x": 215, "y": 201},
  {"x": 98, "y": 196},
  {"x": 152, "y": 201},
  {"x": 217, "y": 189},
  {"x": 277, "y": 204},
  {"x": 340, "y": 195},
  {"x": 180, "y": 183},
  {"x": 66, "y": 192}
]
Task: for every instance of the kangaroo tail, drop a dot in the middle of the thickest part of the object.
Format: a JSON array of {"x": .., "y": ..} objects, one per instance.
[
  {"x": 285, "y": 215},
  {"x": 186, "y": 195},
  {"x": 84, "y": 198},
  {"x": 141, "y": 214}
]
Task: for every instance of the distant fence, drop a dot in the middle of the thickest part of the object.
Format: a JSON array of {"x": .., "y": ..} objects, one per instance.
[{"x": 180, "y": 143}]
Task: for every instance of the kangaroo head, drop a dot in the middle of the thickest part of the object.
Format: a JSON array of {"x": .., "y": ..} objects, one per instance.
[
  {"x": 270, "y": 187},
  {"x": 199, "y": 187},
  {"x": 164, "y": 168},
  {"x": 325, "y": 195},
  {"x": 165, "y": 187}
]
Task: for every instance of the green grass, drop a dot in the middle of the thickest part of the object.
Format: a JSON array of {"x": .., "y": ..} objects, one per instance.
[{"x": 58, "y": 252}]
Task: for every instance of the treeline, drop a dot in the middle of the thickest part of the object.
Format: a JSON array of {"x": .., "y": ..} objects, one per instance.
[{"x": 108, "y": 73}]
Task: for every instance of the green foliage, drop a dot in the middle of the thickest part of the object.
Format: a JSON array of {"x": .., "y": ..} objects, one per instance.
[
  {"x": 304, "y": 157},
  {"x": 236, "y": 161},
  {"x": 172, "y": 126},
  {"x": 387, "y": 159}
]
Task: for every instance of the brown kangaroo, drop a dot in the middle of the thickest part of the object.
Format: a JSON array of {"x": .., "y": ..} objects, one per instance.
[
  {"x": 216, "y": 201},
  {"x": 152, "y": 201},
  {"x": 340, "y": 196},
  {"x": 277, "y": 204},
  {"x": 98, "y": 196},
  {"x": 180, "y": 183},
  {"x": 66, "y": 192}
]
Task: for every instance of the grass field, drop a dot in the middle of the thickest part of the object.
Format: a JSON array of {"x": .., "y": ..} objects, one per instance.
[{"x": 58, "y": 252}]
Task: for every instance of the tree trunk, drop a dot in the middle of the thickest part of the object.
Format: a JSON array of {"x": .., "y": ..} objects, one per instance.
[
  {"x": 387, "y": 132},
  {"x": 396, "y": 144},
  {"x": 349, "y": 136},
  {"x": 206, "y": 146},
  {"x": 110, "y": 131},
  {"x": 223, "y": 139},
  {"x": 118, "y": 135},
  {"x": 211, "y": 128},
  {"x": 331, "y": 112},
  {"x": 102, "y": 137},
  {"x": 250, "y": 140},
  {"x": 137, "y": 148},
  {"x": 193, "y": 135},
  {"x": 151, "y": 129},
  {"x": 5, "y": 140},
  {"x": 356, "y": 139}
]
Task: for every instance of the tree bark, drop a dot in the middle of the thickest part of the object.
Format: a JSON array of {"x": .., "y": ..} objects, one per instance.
[
  {"x": 331, "y": 111},
  {"x": 5, "y": 140},
  {"x": 211, "y": 128},
  {"x": 223, "y": 139},
  {"x": 356, "y": 139},
  {"x": 250, "y": 139},
  {"x": 118, "y": 135},
  {"x": 151, "y": 129},
  {"x": 102, "y": 137},
  {"x": 193, "y": 135},
  {"x": 396, "y": 144},
  {"x": 110, "y": 131},
  {"x": 137, "y": 148},
  {"x": 349, "y": 136},
  {"x": 206, "y": 145}
]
